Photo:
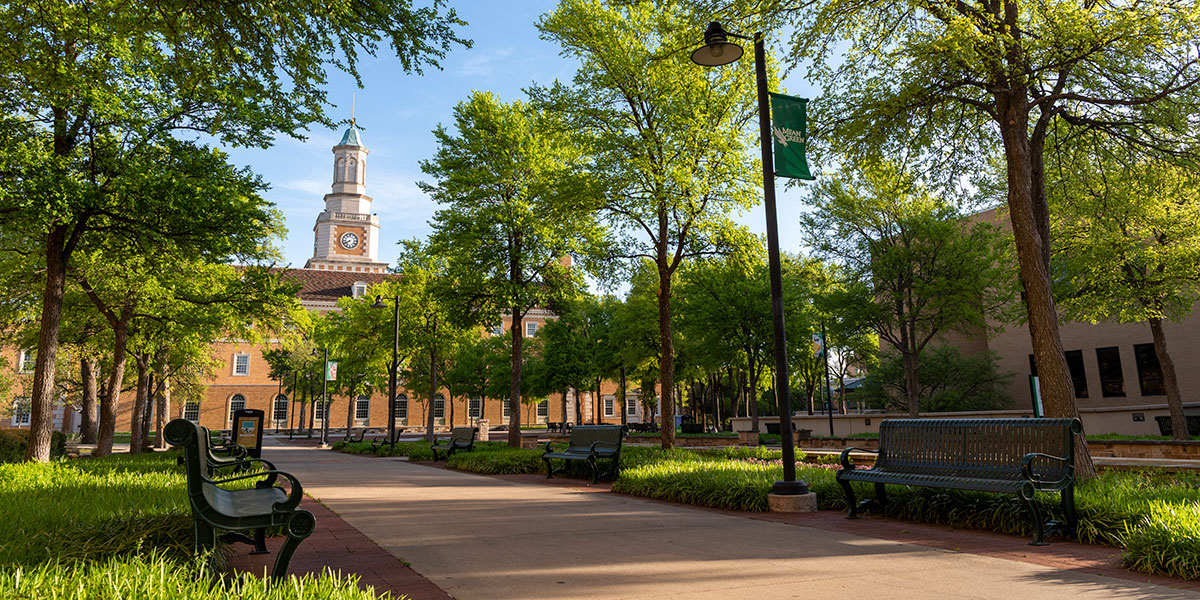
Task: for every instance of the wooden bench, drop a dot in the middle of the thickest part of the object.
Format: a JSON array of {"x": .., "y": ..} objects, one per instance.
[
  {"x": 588, "y": 443},
  {"x": 1019, "y": 456},
  {"x": 243, "y": 510},
  {"x": 461, "y": 438}
]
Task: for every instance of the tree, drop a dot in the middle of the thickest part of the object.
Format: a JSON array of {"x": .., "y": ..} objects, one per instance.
[
  {"x": 1126, "y": 243},
  {"x": 915, "y": 266},
  {"x": 100, "y": 86},
  {"x": 515, "y": 211},
  {"x": 669, "y": 140},
  {"x": 949, "y": 382},
  {"x": 960, "y": 82}
]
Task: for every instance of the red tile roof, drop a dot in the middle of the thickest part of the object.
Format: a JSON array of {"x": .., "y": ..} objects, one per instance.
[{"x": 327, "y": 286}]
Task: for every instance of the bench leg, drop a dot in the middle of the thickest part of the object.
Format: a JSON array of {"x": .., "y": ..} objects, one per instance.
[
  {"x": 850, "y": 502},
  {"x": 260, "y": 542},
  {"x": 595, "y": 469},
  {"x": 1068, "y": 505},
  {"x": 299, "y": 526},
  {"x": 549, "y": 468},
  {"x": 1039, "y": 528},
  {"x": 206, "y": 536}
]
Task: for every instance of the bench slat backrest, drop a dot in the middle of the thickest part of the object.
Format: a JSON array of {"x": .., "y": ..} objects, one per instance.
[
  {"x": 584, "y": 436},
  {"x": 975, "y": 448},
  {"x": 462, "y": 436},
  {"x": 194, "y": 440}
]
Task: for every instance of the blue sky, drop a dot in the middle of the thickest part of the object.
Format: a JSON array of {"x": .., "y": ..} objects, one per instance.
[{"x": 397, "y": 113}]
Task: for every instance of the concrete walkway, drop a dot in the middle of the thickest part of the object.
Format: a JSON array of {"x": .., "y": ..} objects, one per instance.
[{"x": 482, "y": 537}]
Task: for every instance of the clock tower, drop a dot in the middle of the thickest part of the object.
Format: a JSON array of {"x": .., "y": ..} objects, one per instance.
[{"x": 347, "y": 233}]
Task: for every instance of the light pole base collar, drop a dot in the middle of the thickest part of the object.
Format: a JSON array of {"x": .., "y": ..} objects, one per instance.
[{"x": 793, "y": 503}]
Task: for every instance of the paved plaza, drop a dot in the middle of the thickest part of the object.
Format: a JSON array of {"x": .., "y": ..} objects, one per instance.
[{"x": 478, "y": 537}]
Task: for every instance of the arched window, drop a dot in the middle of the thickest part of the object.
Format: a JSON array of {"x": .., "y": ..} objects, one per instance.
[
  {"x": 280, "y": 413},
  {"x": 360, "y": 289},
  {"x": 402, "y": 408},
  {"x": 319, "y": 409},
  {"x": 236, "y": 403},
  {"x": 339, "y": 172},
  {"x": 352, "y": 170},
  {"x": 439, "y": 408},
  {"x": 362, "y": 408},
  {"x": 191, "y": 411}
]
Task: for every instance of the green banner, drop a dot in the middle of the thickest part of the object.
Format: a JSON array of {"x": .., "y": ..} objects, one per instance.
[
  {"x": 331, "y": 371},
  {"x": 789, "y": 128}
]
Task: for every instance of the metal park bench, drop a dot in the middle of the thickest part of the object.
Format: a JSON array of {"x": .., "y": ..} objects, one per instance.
[
  {"x": 1019, "y": 456},
  {"x": 590, "y": 444},
  {"x": 461, "y": 438},
  {"x": 555, "y": 426},
  {"x": 384, "y": 441},
  {"x": 243, "y": 510}
]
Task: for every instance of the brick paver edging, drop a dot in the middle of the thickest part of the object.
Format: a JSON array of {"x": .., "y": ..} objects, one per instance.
[{"x": 338, "y": 546}]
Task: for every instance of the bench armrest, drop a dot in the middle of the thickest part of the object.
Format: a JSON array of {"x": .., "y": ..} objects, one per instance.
[
  {"x": 1027, "y": 465},
  {"x": 603, "y": 443},
  {"x": 845, "y": 458},
  {"x": 547, "y": 448},
  {"x": 294, "y": 495},
  {"x": 245, "y": 464}
]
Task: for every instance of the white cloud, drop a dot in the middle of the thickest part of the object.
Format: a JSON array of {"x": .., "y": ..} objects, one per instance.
[{"x": 482, "y": 65}]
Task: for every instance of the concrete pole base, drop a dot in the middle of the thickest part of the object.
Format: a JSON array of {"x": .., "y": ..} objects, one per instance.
[{"x": 801, "y": 503}]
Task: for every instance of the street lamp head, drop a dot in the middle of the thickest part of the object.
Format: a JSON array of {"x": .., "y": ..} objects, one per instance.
[
  {"x": 379, "y": 302},
  {"x": 717, "y": 50}
]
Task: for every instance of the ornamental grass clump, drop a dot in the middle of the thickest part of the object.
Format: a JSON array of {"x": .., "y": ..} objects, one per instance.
[
  {"x": 1165, "y": 540},
  {"x": 156, "y": 576},
  {"x": 498, "y": 460}
]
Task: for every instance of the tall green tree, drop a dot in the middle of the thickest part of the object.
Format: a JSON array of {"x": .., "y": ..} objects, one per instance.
[
  {"x": 1126, "y": 243},
  {"x": 92, "y": 90},
  {"x": 962, "y": 82},
  {"x": 915, "y": 266},
  {"x": 515, "y": 206},
  {"x": 668, "y": 137}
]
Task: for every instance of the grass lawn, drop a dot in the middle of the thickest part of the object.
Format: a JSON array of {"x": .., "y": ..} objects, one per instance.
[{"x": 118, "y": 527}]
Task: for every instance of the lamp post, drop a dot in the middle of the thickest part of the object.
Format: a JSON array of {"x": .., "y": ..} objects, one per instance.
[
  {"x": 324, "y": 400},
  {"x": 392, "y": 371},
  {"x": 715, "y": 52}
]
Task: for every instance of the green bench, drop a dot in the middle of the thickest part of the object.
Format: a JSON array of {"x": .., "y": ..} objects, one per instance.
[
  {"x": 461, "y": 438},
  {"x": 590, "y": 444},
  {"x": 1018, "y": 456},
  {"x": 241, "y": 510}
]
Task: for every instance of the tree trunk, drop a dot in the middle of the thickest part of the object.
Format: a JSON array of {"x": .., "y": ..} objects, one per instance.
[
  {"x": 142, "y": 361},
  {"x": 1179, "y": 428},
  {"x": 911, "y": 385},
  {"x": 624, "y": 399},
  {"x": 153, "y": 388},
  {"x": 87, "y": 405},
  {"x": 578, "y": 406},
  {"x": 1058, "y": 395},
  {"x": 597, "y": 402},
  {"x": 41, "y": 407},
  {"x": 752, "y": 390},
  {"x": 164, "y": 409},
  {"x": 112, "y": 395},
  {"x": 564, "y": 409},
  {"x": 514, "y": 378},
  {"x": 666, "y": 371}
]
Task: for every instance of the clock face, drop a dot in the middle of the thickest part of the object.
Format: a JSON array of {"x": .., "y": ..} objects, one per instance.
[{"x": 349, "y": 241}]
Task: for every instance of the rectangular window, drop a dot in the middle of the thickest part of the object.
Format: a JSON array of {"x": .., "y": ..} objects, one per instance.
[
  {"x": 1078, "y": 376},
  {"x": 543, "y": 409},
  {"x": 531, "y": 328},
  {"x": 1150, "y": 375},
  {"x": 1112, "y": 381},
  {"x": 439, "y": 407},
  {"x": 319, "y": 409},
  {"x": 610, "y": 406},
  {"x": 475, "y": 408},
  {"x": 191, "y": 411},
  {"x": 498, "y": 330},
  {"x": 362, "y": 409},
  {"x": 504, "y": 409},
  {"x": 402, "y": 407},
  {"x": 27, "y": 360},
  {"x": 241, "y": 364},
  {"x": 20, "y": 412},
  {"x": 281, "y": 408},
  {"x": 631, "y": 406}
]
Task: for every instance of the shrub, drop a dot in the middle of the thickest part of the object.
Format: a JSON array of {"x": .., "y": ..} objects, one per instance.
[
  {"x": 498, "y": 461},
  {"x": 13, "y": 443}
]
